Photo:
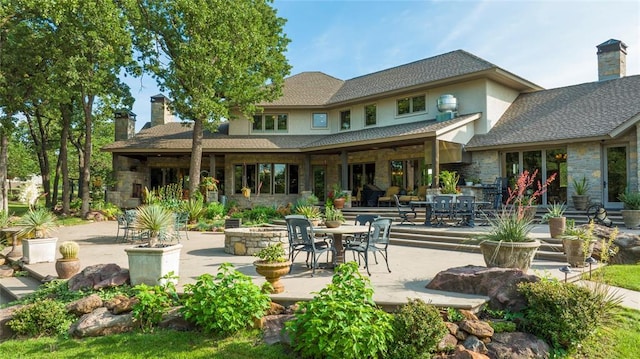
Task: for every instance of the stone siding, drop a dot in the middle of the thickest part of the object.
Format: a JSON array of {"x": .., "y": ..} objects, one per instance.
[
  {"x": 585, "y": 160},
  {"x": 249, "y": 241}
]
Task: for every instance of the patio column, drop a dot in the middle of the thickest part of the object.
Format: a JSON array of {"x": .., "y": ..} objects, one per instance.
[
  {"x": 345, "y": 170},
  {"x": 307, "y": 172},
  {"x": 435, "y": 160}
]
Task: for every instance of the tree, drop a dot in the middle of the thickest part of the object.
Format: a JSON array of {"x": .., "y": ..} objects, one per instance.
[{"x": 216, "y": 58}]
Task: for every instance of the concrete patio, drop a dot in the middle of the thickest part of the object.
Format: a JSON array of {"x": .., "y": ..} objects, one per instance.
[{"x": 411, "y": 268}]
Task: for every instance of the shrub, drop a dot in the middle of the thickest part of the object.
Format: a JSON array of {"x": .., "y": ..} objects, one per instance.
[
  {"x": 153, "y": 302},
  {"x": 261, "y": 214},
  {"x": 195, "y": 209},
  {"x": 43, "y": 318},
  {"x": 226, "y": 303},
  {"x": 562, "y": 313},
  {"x": 418, "y": 328},
  {"x": 214, "y": 210},
  {"x": 342, "y": 321}
]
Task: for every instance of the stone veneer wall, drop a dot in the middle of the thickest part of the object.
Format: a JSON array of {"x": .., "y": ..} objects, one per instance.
[
  {"x": 585, "y": 160},
  {"x": 487, "y": 164},
  {"x": 249, "y": 241}
]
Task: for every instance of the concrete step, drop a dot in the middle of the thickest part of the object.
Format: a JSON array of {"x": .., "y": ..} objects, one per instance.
[{"x": 14, "y": 288}]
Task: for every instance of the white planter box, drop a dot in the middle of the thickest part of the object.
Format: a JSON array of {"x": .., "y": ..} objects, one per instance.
[
  {"x": 39, "y": 250},
  {"x": 149, "y": 265}
]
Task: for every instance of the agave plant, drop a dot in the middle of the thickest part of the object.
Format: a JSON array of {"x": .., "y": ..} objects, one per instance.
[
  {"x": 155, "y": 220},
  {"x": 37, "y": 223}
]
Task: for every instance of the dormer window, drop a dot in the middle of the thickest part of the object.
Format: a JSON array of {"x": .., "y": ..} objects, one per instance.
[
  {"x": 320, "y": 120},
  {"x": 408, "y": 105},
  {"x": 370, "y": 115}
]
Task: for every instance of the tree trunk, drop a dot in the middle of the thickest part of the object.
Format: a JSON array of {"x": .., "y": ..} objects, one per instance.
[
  {"x": 4, "y": 193},
  {"x": 196, "y": 156},
  {"x": 87, "y": 105},
  {"x": 66, "y": 111},
  {"x": 40, "y": 139}
]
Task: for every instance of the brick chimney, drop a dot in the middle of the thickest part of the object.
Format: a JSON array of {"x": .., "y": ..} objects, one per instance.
[
  {"x": 125, "y": 123},
  {"x": 160, "y": 113},
  {"x": 612, "y": 60}
]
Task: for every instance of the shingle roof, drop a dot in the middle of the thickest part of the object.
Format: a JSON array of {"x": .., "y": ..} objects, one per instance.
[
  {"x": 582, "y": 111},
  {"x": 319, "y": 89},
  {"x": 177, "y": 137}
]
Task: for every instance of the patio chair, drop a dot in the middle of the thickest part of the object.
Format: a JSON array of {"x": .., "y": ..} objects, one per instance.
[
  {"x": 464, "y": 210},
  {"x": 122, "y": 225},
  {"x": 388, "y": 195},
  {"x": 489, "y": 212},
  {"x": 406, "y": 211},
  {"x": 376, "y": 241},
  {"x": 361, "y": 220},
  {"x": 442, "y": 208},
  {"x": 303, "y": 239},
  {"x": 180, "y": 224}
]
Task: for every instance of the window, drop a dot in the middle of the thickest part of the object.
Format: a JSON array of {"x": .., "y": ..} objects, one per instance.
[
  {"x": 370, "y": 115},
  {"x": 266, "y": 178},
  {"x": 345, "y": 120},
  {"x": 397, "y": 173},
  {"x": 409, "y": 105},
  {"x": 319, "y": 120},
  {"x": 270, "y": 123}
]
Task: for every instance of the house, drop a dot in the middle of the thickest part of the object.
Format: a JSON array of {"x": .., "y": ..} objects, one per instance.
[{"x": 400, "y": 127}]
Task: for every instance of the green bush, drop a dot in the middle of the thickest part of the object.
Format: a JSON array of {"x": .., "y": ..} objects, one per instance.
[
  {"x": 153, "y": 302},
  {"x": 342, "y": 321},
  {"x": 214, "y": 210},
  {"x": 226, "y": 303},
  {"x": 195, "y": 209},
  {"x": 261, "y": 214},
  {"x": 44, "y": 318},
  {"x": 418, "y": 328},
  {"x": 564, "y": 314}
]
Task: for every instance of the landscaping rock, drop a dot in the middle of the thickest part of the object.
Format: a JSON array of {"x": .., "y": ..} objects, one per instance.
[
  {"x": 6, "y": 314},
  {"x": 101, "y": 322},
  {"x": 449, "y": 341},
  {"x": 463, "y": 353},
  {"x": 121, "y": 304},
  {"x": 6, "y": 271},
  {"x": 273, "y": 329},
  {"x": 85, "y": 305},
  {"x": 499, "y": 284},
  {"x": 517, "y": 345},
  {"x": 628, "y": 245},
  {"x": 174, "y": 320},
  {"x": 474, "y": 344},
  {"x": 476, "y": 328},
  {"x": 275, "y": 309},
  {"x": 99, "y": 276}
]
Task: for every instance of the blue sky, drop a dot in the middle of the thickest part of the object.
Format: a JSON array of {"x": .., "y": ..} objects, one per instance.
[{"x": 550, "y": 43}]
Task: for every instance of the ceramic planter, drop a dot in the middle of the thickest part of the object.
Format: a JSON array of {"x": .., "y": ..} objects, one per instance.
[
  {"x": 332, "y": 224},
  {"x": 338, "y": 203},
  {"x": 509, "y": 254},
  {"x": 67, "y": 268},
  {"x": 580, "y": 202},
  {"x": 149, "y": 264},
  {"x": 272, "y": 272},
  {"x": 39, "y": 250}
]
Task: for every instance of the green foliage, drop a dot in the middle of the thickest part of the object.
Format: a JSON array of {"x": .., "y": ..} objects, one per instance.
[
  {"x": 226, "y": 303},
  {"x": 311, "y": 212},
  {"x": 333, "y": 214},
  {"x": 581, "y": 186},
  {"x": 214, "y": 210},
  {"x": 564, "y": 314},
  {"x": 556, "y": 210},
  {"x": 502, "y": 326},
  {"x": 109, "y": 209},
  {"x": 261, "y": 214},
  {"x": 169, "y": 196},
  {"x": 454, "y": 315},
  {"x": 154, "y": 219},
  {"x": 153, "y": 302},
  {"x": 631, "y": 199},
  {"x": 342, "y": 321},
  {"x": 195, "y": 208},
  {"x": 509, "y": 226},
  {"x": 273, "y": 253},
  {"x": 449, "y": 181},
  {"x": 43, "y": 318},
  {"x": 418, "y": 328}
]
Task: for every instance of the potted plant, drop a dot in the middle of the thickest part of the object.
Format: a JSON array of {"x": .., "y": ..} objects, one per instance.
[
  {"x": 556, "y": 219},
  {"x": 449, "y": 181},
  {"x": 149, "y": 263},
  {"x": 333, "y": 217},
  {"x": 273, "y": 264},
  {"x": 69, "y": 264},
  {"x": 578, "y": 243},
  {"x": 337, "y": 197},
  {"x": 246, "y": 192},
  {"x": 631, "y": 211},
  {"x": 312, "y": 213},
  {"x": 581, "y": 193},
  {"x": 507, "y": 244},
  {"x": 37, "y": 246},
  {"x": 209, "y": 186}
]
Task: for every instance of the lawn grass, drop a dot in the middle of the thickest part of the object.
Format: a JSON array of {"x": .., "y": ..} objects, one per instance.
[
  {"x": 161, "y": 344},
  {"x": 619, "y": 340},
  {"x": 619, "y": 275}
]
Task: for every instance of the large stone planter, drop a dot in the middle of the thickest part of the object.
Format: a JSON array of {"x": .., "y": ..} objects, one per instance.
[
  {"x": 149, "y": 264},
  {"x": 272, "y": 272},
  {"x": 509, "y": 254},
  {"x": 631, "y": 218},
  {"x": 39, "y": 250},
  {"x": 557, "y": 225},
  {"x": 248, "y": 241},
  {"x": 575, "y": 250}
]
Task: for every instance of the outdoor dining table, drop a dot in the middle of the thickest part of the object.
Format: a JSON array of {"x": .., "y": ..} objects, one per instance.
[
  {"x": 429, "y": 206},
  {"x": 337, "y": 236}
]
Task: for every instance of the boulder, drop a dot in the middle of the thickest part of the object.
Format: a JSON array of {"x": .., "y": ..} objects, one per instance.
[
  {"x": 101, "y": 322},
  {"x": 99, "y": 276},
  {"x": 462, "y": 353},
  {"x": 174, "y": 320},
  {"x": 628, "y": 245},
  {"x": 6, "y": 314},
  {"x": 121, "y": 304},
  {"x": 474, "y": 344},
  {"x": 499, "y": 284},
  {"x": 85, "y": 305},
  {"x": 273, "y": 329},
  {"x": 6, "y": 271},
  {"x": 517, "y": 345},
  {"x": 477, "y": 328}
]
